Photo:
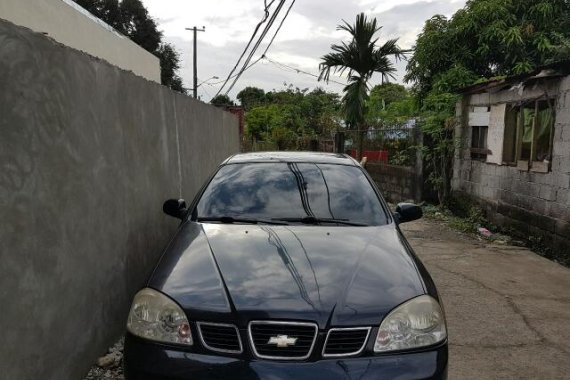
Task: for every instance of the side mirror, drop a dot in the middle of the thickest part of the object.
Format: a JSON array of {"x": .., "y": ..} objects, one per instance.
[
  {"x": 407, "y": 212},
  {"x": 175, "y": 208}
]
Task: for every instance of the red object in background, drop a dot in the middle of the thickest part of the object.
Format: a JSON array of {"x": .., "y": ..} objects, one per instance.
[
  {"x": 372, "y": 155},
  {"x": 240, "y": 113}
]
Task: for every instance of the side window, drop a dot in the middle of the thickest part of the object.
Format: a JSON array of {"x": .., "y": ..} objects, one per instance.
[
  {"x": 529, "y": 129},
  {"x": 479, "y": 148},
  {"x": 512, "y": 116}
]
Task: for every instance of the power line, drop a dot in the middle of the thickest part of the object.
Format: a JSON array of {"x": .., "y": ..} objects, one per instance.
[
  {"x": 279, "y": 28},
  {"x": 299, "y": 71},
  {"x": 235, "y": 75},
  {"x": 258, "y": 43},
  {"x": 266, "y": 15}
]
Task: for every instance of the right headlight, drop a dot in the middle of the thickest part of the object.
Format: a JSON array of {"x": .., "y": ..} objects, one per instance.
[
  {"x": 419, "y": 322},
  {"x": 156, "y": 317}
]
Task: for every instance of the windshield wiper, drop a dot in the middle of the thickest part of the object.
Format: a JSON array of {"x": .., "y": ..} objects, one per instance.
[
  {"x": 231, "y": 219},
  {"x": 315, "y": 220}
]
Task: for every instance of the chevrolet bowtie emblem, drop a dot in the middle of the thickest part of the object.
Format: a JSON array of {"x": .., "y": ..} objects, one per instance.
[{"x": 282, "y": 341}]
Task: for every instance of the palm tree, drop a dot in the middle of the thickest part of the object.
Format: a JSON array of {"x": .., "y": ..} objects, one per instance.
[{"x": 361, "y": 58}]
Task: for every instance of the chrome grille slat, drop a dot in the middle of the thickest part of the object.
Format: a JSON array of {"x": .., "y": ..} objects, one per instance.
[
  {"x": 220, "y": 337},
  {"x": 260, "y": 332},
  {"x": 345, "y": 341}
]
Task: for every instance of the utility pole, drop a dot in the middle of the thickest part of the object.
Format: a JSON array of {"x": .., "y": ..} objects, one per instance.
[{"x": 196, "y": 30}]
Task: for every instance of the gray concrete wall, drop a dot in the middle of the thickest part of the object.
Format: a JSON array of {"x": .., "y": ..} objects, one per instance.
[
  {"x": 70, "y": 24},
  {"x": 531, "y": 203},
  {"x": 397, "y": 183},
  {"x": 88, "y": 153}
]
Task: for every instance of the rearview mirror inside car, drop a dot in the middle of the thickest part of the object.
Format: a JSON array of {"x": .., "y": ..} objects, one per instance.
[
  {"x": 407, "y": 212},
  {"x": 175, "y": 208}
]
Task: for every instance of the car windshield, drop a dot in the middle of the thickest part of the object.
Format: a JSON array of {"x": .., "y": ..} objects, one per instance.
[{"x": 291, "y": 192}]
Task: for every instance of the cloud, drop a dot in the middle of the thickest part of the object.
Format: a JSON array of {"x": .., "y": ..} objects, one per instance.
[{"x": 306, "y": 35}]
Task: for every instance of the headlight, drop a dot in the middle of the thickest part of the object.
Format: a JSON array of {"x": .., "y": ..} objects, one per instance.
[
  {"x": 417, "y": 323},
  {"x": 155, "y": 316}
]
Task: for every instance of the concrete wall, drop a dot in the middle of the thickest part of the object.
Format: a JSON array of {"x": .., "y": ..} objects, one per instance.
[
  {"x": 397, "y": 183},
  {"x": 531, "y": 203},
  {"x": 88, "y": 153},
  {"x": 71, "y": 25}
]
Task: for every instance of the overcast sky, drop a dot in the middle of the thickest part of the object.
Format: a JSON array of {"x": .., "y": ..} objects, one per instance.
[{"x": 306, "y": 35}]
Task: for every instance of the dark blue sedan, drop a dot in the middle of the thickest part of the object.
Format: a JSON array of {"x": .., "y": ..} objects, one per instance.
[{"x": 288, "y": 266}]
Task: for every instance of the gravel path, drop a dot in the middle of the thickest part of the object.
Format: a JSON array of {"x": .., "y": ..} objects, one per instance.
[{"x": 109, "y": 366}]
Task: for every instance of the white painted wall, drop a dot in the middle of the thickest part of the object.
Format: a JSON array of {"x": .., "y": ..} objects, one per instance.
[
  {"x": 71, "y": 25},
  {"x": 496, "y": 135}
]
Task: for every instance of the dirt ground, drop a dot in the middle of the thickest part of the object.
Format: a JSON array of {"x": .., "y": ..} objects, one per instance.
[{"x": 508, "y": 309}]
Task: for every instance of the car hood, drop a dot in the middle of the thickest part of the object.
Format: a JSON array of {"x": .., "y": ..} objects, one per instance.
[{"x": 335, "y": 276}]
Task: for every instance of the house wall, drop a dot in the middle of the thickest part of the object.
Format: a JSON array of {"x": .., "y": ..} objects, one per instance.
[
  {"x": 71, "y": 25},
  {"x": 531, "y": 203},
  {"x": 88, "y": 154}
]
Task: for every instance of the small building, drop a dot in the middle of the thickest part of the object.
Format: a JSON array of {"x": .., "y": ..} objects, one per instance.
[{"x": 513, "y": 153}]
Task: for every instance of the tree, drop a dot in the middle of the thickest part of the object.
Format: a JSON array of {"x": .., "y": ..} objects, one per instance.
[
  {"x": 485, "y": 39},
  {"x": 360, "y": 58},
  {"x": 170, "y": 64},
  {"x": 382, "y": 97},
  {"x": 387, "y": 93},
  {"x": 222, "y": 100},
  {"x": 250, "y": 97},
  {"x": 139, "y": 26},
  {"x": 131, "y": 18},
  {"x": 490, "y": 38},
  {"x": 261, "y": 120}
]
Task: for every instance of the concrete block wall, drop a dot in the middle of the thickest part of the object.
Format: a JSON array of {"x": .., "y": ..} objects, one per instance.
[
  {"x": 88, "y": 154},
  {"x": 397, "y": 183},
  {"x": 531, "y": 203}
]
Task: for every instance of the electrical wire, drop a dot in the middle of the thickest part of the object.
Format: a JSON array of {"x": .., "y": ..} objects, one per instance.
[
  {"x": 235, "y": 75},
  {"x": 279, "y": 28},
  {"x": 258, "y": 43},
  {"x": 299, "y": 71},
  {"x": 265, "y": 16},
  {"x": 267, "y": 47}
]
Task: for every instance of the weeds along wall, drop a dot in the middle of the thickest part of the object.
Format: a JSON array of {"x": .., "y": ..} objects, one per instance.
[{"x": 88, "y": 154}]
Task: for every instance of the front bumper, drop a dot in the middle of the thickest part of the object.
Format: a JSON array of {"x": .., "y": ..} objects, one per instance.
[{"x": 146, "y": 360}]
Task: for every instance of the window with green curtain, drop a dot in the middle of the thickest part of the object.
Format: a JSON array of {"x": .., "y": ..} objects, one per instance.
[
  {"x": 544, "y": 128},
  {"x": 528, "y": 119}
]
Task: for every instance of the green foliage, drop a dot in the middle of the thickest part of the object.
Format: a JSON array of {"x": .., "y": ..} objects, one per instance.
[
  {"x": 485, "y": 39},
  {"x": 251, "y": 97},
  {"x": 438, "y": 123},
  {"x": 131, "y": 18},
  {"x": 222, "y": 100},
  {"x": 288, "y": 115},
  {"x": 389, "y": 104},
  {"x": 453, "y": 79},
  {"x": 283, "y": 137},
  {"x": 360, "y": 59},
  {"x": 562, "y": 51},
  {"x": 490, "y": 38},
  {"x": 387, "y": 93},
  {"x": 170, "y": 64}
]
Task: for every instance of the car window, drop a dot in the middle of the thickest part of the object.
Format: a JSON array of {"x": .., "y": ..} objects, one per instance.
[{"x": 291, "y": 190}]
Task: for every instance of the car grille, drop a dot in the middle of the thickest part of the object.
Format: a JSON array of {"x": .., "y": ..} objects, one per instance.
[
  {"x": 345, "y": 342},
  {"x": 296, "y": 339},
  {"x": 220, "y": 337}
]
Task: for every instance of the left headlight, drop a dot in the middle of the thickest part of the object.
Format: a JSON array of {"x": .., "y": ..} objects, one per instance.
[
  {"x": 417, "y": 323},
  {"x": 156, "y": 317}
]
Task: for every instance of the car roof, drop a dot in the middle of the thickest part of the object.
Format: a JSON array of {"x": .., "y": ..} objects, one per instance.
[{"x": 312, "y": 157}]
